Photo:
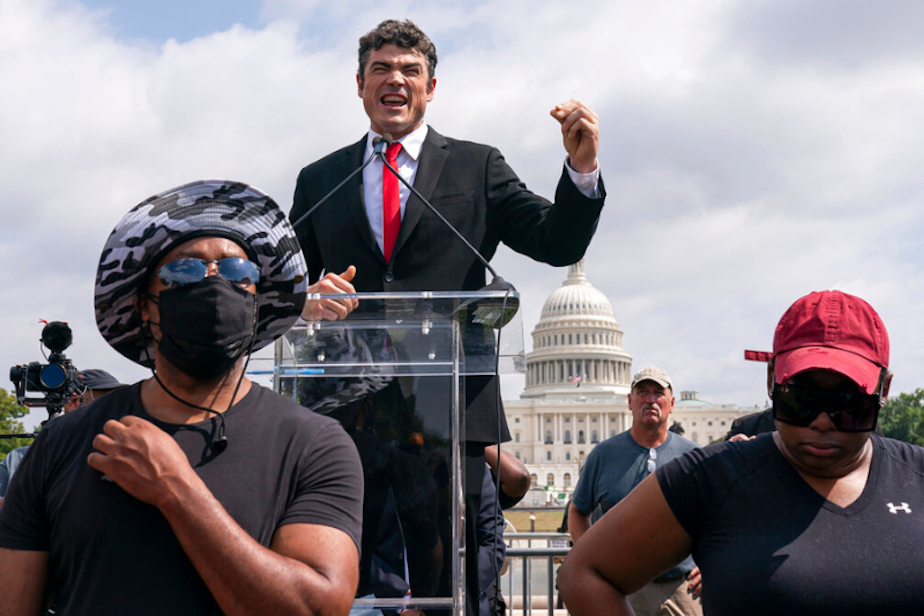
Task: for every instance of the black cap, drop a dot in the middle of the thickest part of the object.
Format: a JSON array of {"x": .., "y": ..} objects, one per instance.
[{"x": 94, "y": 378}]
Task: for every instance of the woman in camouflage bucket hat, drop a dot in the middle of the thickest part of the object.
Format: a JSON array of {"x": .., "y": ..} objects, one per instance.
[{"x": 220, "y": 208}]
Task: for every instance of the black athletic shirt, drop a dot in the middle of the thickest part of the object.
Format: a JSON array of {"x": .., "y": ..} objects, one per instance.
[
  {"x": 112, "y": 554},
  {"x": 767, "y": 543}
]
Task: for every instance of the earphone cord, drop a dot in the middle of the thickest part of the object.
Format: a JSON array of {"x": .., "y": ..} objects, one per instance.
[{"x": 221, "y": 442}]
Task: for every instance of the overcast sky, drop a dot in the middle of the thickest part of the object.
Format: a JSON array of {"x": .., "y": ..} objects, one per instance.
[{"x": 753, "y": 151}]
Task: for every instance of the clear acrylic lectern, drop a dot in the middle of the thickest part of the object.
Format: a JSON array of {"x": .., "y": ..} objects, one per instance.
[{"x": 393, "y": 373}]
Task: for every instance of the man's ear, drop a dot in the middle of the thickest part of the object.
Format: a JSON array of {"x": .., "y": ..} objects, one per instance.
[
  {"x": 886, "y": 385},
  {"x": 770, "y": 379},
  {"x": 359, "y": 85},
  {"x": 141, "y": 305}
]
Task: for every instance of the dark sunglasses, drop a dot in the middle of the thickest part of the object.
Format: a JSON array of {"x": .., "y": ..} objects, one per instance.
[
  {"x": 187, "y": 271},
  {"x": 652, "y": 460},
  {"x": 851, "y": 411}
]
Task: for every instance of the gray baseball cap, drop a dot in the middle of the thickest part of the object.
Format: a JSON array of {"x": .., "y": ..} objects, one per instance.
[{"x": 659, "y": 376}]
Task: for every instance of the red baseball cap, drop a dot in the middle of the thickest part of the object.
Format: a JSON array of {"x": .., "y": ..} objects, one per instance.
[{"x": 830, "y": 330}]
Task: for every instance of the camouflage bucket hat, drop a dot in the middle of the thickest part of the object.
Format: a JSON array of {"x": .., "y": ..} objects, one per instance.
[{"x": 208, "y": 207}]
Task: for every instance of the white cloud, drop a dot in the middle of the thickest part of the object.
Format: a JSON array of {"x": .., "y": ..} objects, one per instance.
[{"x": 743, "y": 170}]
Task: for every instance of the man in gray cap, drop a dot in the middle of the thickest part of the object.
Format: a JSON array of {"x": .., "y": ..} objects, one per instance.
[
  {"x": 618, "y": 464},
  {"x": 195, "y": 491},
  {"x": 93, "y": 384},
  {"x": 97, "y": 383}
]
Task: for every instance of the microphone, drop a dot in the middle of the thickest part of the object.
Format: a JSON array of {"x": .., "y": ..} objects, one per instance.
[
  {"x": 491, "y": 311},
  {"x": 221, "y": 443},
  {"x": 379, "y": 144}
]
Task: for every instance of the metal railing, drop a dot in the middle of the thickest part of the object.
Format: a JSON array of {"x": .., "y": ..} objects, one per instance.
[{"x": 527, "y": 554}]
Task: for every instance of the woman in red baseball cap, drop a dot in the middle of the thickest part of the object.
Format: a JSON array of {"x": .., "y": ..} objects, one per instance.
[{"x": 820, "y": 517}]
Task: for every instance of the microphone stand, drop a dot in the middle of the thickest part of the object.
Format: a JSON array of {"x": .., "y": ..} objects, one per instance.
[
  {"x": 497, "y": 283},
  {"x": 495, "y": 315},
  {"x": 378, "y": 149}
]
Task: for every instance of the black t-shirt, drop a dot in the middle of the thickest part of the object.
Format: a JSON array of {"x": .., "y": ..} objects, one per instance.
[
  {"x": 110, "y": 553},
  {"x": 767, "y": 543}
]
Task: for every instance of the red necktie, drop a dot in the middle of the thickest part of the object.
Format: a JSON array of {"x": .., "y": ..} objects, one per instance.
[{"x": 391, "y": 200}]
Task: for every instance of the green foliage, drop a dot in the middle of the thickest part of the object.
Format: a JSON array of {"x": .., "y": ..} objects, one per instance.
[
  {"x": 9, "y": 413},
  {"x": 902, "y": 417}
]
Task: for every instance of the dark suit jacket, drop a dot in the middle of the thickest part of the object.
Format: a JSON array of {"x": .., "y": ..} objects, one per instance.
[
  {"x": 474, "y": 188},
  {"x": 753, "y": 424}
]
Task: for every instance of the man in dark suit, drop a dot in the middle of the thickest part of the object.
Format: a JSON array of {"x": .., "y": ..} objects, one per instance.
[{"x": 357, "y": 243}]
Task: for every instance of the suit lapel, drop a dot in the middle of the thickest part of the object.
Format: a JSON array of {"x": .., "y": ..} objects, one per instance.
[
  {"x": 350, "y": 198},
  {"x": 432, "y": 158}
]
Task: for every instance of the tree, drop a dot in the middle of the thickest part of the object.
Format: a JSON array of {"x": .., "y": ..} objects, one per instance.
[
  {"x": 10, "y": 411},
  {"x": 902, "y": 417}
]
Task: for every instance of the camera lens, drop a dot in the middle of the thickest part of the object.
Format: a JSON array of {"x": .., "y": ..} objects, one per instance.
[{"x": 53, "y": 376}]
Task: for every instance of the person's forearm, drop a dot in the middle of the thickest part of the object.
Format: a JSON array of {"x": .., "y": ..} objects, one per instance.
[
  {"x": 243, "y": 576},
  {"x": 578, "y": 523},
  {"x": 585, "y": 593},
  {"x": 23, "y": 575},
  {"x": 514, "y": 476}
]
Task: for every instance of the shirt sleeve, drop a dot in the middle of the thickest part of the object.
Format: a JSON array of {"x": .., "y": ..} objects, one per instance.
[
  {"x": 681, "y": 481},
  {"x": 4, "y": 474},
  {"x": 587, "y": 183},
  {"x": 330, "y": 485},
  {"x": 490, "y": 533},
  {"x": 697, "y": 484},
  {"x": 23, "y": 523},
  {"x": 584, "y": 498}
]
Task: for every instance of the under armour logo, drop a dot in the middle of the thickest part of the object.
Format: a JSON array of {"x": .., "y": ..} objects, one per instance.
[{"x": 894, "y": 509}]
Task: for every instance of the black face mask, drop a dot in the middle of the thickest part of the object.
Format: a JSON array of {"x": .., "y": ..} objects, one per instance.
[{"x": 206, "y": 326}]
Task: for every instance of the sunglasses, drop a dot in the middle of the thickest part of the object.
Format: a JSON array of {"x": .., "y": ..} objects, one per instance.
[
  {"x": 851, "y": 411},
  {"x": 652, "y": 460},
  {"x": 187, "y": 271}
]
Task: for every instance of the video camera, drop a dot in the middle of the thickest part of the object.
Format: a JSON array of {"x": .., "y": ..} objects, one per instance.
[{"x": 58, "y": 380}]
